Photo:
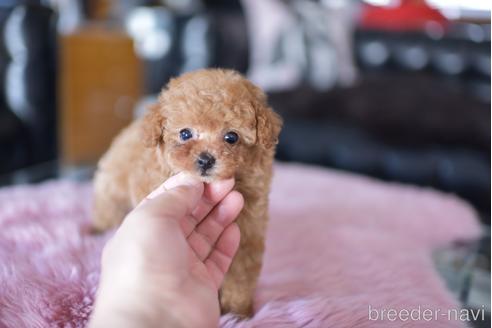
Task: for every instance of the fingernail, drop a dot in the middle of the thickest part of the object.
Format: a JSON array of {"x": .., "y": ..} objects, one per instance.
[
  {"x": 156, "y": 192},
  {"x": 181, "y": 179}
]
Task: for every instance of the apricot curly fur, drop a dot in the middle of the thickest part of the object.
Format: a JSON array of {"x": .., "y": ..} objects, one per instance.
[{"x": 209, "y": 103}]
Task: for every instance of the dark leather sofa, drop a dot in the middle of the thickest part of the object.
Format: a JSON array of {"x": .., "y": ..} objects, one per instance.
[
  {"x": 426, "y": 125},
  {"x": 398, "y": 127},
  {"x": 27, "y": 85}
]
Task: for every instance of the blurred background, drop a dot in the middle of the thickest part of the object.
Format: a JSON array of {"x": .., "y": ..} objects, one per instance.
[{"x": 395, "y": 89}]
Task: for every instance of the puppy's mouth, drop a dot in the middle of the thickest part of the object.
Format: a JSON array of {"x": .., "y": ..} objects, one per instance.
[{"x": 206, "y": 176}]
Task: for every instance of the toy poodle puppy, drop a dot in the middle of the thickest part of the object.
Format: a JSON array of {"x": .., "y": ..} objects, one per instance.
[{"x": 214, "y": 124}]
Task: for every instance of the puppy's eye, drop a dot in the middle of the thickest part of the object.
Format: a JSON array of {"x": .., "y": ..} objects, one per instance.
[
  {"x": 231, "y": 137},
  {"x": 185, "y": 134}
]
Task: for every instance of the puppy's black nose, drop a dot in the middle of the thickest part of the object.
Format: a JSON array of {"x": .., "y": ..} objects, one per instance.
[{"x": 205, "y": 161}]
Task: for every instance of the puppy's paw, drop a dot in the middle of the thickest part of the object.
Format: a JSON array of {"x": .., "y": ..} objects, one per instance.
[
  {"x": 97, "y": 230},
  {"x": 236, "y": 304}
]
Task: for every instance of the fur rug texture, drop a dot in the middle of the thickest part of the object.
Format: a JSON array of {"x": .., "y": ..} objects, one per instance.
[{"x": 337, "y": 244}]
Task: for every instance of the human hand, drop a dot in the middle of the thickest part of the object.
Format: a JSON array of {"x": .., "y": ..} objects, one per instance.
[{"x": 167, "y": 260}]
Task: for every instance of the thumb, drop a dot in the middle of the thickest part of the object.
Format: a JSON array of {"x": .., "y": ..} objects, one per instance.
[{"x": 175, "y": 198}]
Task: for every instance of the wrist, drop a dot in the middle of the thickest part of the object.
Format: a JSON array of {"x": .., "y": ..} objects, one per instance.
[
  {"x": 153, "y": 304},
  {"x": 129, "y": 309}
]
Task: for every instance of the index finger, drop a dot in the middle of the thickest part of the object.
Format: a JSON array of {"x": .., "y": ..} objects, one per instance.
[
  {"x": 177, "y": 202},
  {"x": 212, "y": 195}
]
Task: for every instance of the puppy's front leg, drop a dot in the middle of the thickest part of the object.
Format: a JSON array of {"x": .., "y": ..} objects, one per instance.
[
  {"x": 237, "y": 292},
  {"x": 110, "y": 202}
]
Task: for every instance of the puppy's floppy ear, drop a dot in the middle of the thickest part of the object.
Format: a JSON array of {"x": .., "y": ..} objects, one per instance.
[
  {"x": 268, "y": 126},
  {"x": 268, "y": 123},
  {"x": 152, "y": 126}
]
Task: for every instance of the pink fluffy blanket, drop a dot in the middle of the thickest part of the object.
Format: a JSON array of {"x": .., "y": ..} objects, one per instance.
[{"x": 338, "y": 246}]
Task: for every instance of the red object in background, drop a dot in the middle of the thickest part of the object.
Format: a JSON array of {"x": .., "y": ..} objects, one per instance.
[{"x": 409, "y": 15}]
